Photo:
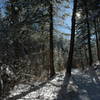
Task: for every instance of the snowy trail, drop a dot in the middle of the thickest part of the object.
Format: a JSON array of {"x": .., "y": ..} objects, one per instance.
[{"x": 81, "y": 86}]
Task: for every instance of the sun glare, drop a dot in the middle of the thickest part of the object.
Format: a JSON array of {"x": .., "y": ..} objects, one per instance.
[{"x": 78, "y": 15}]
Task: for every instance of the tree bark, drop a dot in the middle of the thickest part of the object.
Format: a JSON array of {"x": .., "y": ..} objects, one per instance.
[
  {"x": 52, "y": 70},
  {"x": 71, "y": 50},
  {"x": 86, "y": 56},
  {"x": 97, "y": 42},
  {"x": 89, "y": 34}
]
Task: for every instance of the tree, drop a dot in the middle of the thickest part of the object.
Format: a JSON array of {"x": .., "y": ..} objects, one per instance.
[
  {"x": 87, "y": 29},
  {"x": 52, "y": 70},
  {"x": 89, "y": 34},
  {"x": 71, "y": 50},
  {"x": 97, "y": 40}
]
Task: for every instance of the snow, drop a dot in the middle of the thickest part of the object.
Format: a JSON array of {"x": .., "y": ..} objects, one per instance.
[{"x": 81, "y": 86}]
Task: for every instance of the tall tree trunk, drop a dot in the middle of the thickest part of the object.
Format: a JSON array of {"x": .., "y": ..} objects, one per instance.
[
  {"x": 89, "y": 34},
  {"x": 86, "y": 56},
  {"x": 52, "y": 70},
  {"x": 98, "y": 23},
  {"x": 71, "y": 50},
  {"x": 81, "y": 60},
  {"x": 97, "y": 42}
]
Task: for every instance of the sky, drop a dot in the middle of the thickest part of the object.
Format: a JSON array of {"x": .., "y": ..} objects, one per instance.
[
  {"x": 2, "y": 2},
  {"x": 2, "y": 6},
  {"x": 66, "y": 21}
]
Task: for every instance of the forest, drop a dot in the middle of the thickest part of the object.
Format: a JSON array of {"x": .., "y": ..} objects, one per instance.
[{"x": 49, "y": 49}]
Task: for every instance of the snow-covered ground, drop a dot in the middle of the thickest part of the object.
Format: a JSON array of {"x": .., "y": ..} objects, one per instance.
[{"x": 81, "y": 86}]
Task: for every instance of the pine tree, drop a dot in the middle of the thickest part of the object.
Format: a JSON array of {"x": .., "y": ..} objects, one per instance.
[
  {"x": 71, "y": 50},
  {"x": 52, "y": 70}
]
